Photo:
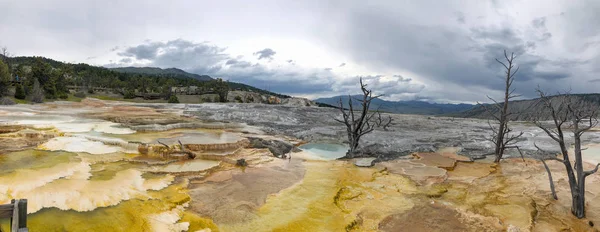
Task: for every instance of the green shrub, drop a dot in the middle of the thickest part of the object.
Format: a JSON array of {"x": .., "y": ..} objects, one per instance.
[
  {"x": 79, "y": 95},
  {"x": 129, "y": 94},
  {"x": 250, "y": 99},
  {"x": 173, "y": 99},
  {"x": 90, "y": 91},
  {"x": 20, "y": 92},
  {"x": 63, "y": 96},
  {"x": 238, "y": 99}
]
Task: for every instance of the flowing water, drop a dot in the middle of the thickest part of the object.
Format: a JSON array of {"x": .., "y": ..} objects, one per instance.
[{"x": 89, "y": 174}]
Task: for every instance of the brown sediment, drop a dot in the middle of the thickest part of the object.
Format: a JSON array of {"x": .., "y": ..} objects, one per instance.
[
  {"x": 418, "y": 172},
  {"x": 235, "y": 198},
  {"x": 471, "y": 171},
  {"x": 434, "y": 218},
  {"x": 435, "y": 159},
  {"x": 10, "y": 128}
]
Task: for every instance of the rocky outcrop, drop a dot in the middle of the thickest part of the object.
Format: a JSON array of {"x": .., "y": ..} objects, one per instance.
[
  {"x": 297, "y": 102},
  {"x": 24, "y": 139},
  {"x": 279, "y": 148},
  {"x": 364, "y": 162}
]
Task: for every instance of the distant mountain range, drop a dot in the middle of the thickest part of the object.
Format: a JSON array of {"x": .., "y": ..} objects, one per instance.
[
  {"x": 525, "y": 109},
  {"x": 402, "y": 107},
  {"x": 159, "y": 71},
  {"x": 183, "y": 74}
]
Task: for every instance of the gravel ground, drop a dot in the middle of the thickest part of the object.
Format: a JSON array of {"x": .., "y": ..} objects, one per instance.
[{"x": 407, "y": 133}]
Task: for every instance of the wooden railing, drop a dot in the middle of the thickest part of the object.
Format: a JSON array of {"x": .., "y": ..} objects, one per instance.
[{"x": 17, "y": 212}]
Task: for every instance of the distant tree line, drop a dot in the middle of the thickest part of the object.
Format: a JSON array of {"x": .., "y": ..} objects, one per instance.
[{"x": 54, "y": 77}]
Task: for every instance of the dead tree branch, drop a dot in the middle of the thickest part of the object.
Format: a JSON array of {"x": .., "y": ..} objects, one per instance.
[
  {"x": 358, "y": 123},
  {"x": 502, "y": 137},
  {"x": 382, "y": 122},
  {"x": 569, "y": 111}
]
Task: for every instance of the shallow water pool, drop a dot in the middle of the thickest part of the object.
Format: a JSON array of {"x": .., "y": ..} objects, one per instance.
[{"x": 327, "y": 151}]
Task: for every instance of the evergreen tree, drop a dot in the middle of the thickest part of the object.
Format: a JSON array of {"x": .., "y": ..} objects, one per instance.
[
  {"x": 20, "y": 92},
  {"x": 221, "y": 88}
]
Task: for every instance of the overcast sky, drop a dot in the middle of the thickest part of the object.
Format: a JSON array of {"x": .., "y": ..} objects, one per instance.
[{"x": 430, "y": 50}]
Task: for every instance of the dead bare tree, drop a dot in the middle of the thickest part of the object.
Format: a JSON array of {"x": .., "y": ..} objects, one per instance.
[
  {"x": 568, "y": 114},
  {"x": 382, "y": 122},
  {"x": 357, "y": 125},
  {"x": 5, "y": 57},
  {"x": 501, "y": 134}
]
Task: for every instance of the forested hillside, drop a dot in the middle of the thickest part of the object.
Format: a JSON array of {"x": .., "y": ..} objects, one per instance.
[{"x": 55, "y": 78}]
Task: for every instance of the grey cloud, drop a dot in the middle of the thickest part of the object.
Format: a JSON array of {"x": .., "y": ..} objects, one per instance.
[
  {"x": 402, "y": 78},
  {"x": 142, "y": 52},
  {"x": 443, "y": 55},
  {"x": 460, "y": 17},
  {"x": 238, "y": 63},
  {"x": 342, "y": 64},
  {"x": 204, "y": 58},
  {"x": 539, "y": 23},
  {"x": 114, "y": 48},
  {"x": 328, "y": 69},
  {"x": 187, "y": 55},
  {"x": 397, "y": 87},
  {"x": 594, "y": 81},
  {"x": 125, "y": 60},
  {"x": 266, "y": 53}
]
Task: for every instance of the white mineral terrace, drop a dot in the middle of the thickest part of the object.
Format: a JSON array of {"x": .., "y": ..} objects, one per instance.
[{"x": 83, "y": 167}]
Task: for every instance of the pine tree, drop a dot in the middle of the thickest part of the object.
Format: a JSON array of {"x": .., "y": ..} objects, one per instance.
[{"x": 20, "y": 92}]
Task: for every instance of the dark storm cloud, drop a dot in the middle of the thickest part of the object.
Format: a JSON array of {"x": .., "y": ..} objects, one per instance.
[
  {"x": 266, "y": 53},
  {"x": 444, "y": 55}
]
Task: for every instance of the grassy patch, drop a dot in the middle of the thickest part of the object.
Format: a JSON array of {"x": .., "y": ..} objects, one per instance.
[{"x": 19, "y": 101}]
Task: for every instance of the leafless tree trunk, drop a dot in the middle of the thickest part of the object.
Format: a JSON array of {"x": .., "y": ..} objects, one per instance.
[
  {"x": 567, "y": 115},
  {"x": 5, "y": 55},
  {"x": 357, "y": 125},
  {"x": 381, "y": 122},
  {"x": 501, "y": 136}
]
